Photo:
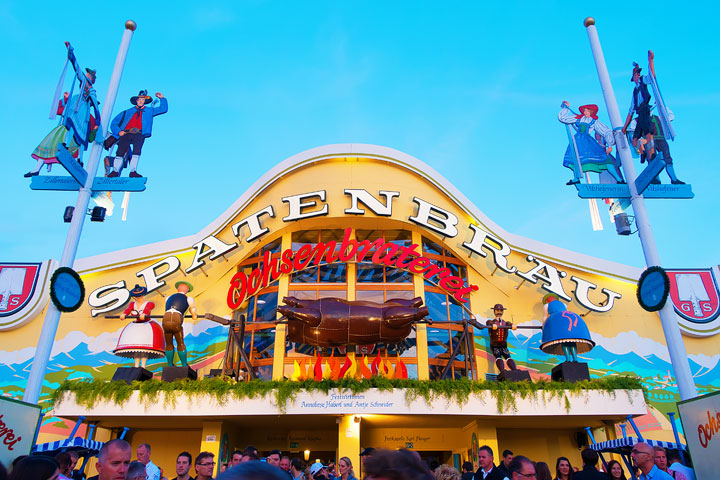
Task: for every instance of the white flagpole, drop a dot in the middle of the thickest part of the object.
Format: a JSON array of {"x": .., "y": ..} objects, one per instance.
[
  {"x": 52, "y": 318},
  {"x": 673, "y": 337}
]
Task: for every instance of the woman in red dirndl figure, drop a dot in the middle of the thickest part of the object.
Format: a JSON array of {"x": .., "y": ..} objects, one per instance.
[{"x": 143, "y": 338}]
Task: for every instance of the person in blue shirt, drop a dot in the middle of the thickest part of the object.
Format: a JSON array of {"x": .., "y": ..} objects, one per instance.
[
  {"x": 643, "y": 457},
  {"x": 132, "y": 127}
]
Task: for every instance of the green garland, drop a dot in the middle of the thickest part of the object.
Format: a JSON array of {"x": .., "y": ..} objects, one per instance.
[{"x": 87, "y": 393}]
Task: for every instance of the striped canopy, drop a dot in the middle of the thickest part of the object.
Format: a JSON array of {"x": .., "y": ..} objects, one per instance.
[
  {"x": 81, "y": 445},
  {"x": 624, "y": 445}
]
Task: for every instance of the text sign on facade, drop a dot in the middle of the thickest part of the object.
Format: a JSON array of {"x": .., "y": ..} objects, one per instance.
[
  {"x": 18, "y": 424},
  {"x": 701, "y": 422}
]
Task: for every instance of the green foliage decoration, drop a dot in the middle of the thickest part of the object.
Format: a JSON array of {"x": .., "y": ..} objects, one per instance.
[{"x": 89, "y": 392}]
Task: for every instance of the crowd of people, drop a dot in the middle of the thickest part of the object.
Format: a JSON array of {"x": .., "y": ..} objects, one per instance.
[{"x": 114, "y": 462}]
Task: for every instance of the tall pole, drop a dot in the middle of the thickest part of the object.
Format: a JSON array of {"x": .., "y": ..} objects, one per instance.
[
  {"x": 673, "y": 337},
  {"x": 52, "y": 318}
]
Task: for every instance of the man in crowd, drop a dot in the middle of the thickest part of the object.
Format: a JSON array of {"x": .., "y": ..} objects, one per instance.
[
  {"x": 285, "y": 463},
  {"x": 487, "y": 470},
  {"x": 236, "y": 458},
  {"x": 589, "y": 472},
  {"x": 75, "y": 475},
  {"x": 365, "y": 455},
  {"x": 676, "y": 466},
  {"x": 114, "y": 460},
  {"x": 182, "y": 466},
  {"x": 643, "y": 457},
  {"x": 662, "y": 464},
  {"x": 505, "y": 464},
  {"x": 274, "y": 457},
  {"x": 522, "y": 468},
  {"x": 136, "y": 471},
  {"x": 204, "y": 465},
  {"x": 64, "y": 465},
  {"x": 467, "y": 471},
  {"x": 143, "y": 456},
  {"x": 296, "y": 469}
]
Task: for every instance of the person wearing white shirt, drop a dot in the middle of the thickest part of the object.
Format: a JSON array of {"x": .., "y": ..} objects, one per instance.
[{"x": 143, "y": 456}]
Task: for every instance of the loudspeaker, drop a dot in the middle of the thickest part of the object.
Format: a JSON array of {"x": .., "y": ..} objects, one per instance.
[
  {"x": 178, "y": 373},
  {"x": 129, "y": 374},
  {"x": 570, "y": 372},
  {"x": 581, "y": 439},
  {"x": 513, "y": 376}
]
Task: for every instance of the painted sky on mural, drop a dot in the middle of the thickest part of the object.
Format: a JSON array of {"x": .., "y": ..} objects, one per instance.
[{"x": 472, "y": 90}]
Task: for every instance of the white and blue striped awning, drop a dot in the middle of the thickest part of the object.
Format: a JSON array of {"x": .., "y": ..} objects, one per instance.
[
  {"x": 624, "y": 445},
  {"x": 77, "y": 443}
]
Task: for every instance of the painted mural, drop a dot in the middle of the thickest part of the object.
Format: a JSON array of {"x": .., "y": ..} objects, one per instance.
[{"x": 628, "y": 341}]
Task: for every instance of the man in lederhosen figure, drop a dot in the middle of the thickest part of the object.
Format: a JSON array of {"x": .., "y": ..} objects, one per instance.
[
  {"x": 498, "y": 339},
  {"x": 175, "y": 307},
  {"x": 132, "y": 127}
]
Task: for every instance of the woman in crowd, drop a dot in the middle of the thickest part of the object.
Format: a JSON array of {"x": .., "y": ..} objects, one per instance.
[
  {"x": 446, "y": 472},
  {"x": 615, "y": 471},
  {"x": 345, "y": 469},
  {"x": 563, "y": 469},
  {"x": 37, "y": 467},
  {"x": 542, "y": 471}
]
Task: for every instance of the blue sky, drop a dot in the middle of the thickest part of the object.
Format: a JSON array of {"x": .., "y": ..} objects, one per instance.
[{"x": 471, "y": 88}]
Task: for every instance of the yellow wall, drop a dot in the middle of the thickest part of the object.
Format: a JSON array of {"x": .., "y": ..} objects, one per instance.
[
  {"x": 540, "y": 445},
  {"x": 166, "y": 445}
]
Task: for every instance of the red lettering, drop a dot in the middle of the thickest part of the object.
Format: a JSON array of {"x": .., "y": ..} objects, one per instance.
[
  {"x": 421, "y": 262},
  {"x": 9, "y": 434},
  {"x": 406, "y": 252},
  {"x": 321, "y": 249},
  {"x": 367, "y": 246},
  {"x": 434, "y": 269},
  {"x": 387, "y": 259},
  {"x": 390, "y": 254},
  {"x": 303, "y": 257},
  {"x": 235, "y": 298},
  {"x": 254, "y": 281},
  {"x": 287, "y": 261},
  {"x": 348, "y": 242},
  {"x": 269, "y": 269},
  {"x": 464, "y": 291},
  {"x": 702, "y": 436},
  {"x": 450, "y": 283}
]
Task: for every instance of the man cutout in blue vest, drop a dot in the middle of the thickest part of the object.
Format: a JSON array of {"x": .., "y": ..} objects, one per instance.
[
  {"x": 175, "y": 307},
  {"x": 132, "y": 127}
]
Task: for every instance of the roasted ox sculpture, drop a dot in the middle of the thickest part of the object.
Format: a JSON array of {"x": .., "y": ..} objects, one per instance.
[{"x": 332, "y": 322}]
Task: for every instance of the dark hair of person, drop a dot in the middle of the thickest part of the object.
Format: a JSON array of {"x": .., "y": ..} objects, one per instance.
[
  {"x": 251, "y": 450},
  {"x": 17, "y": 459},
  {"x": 571, "y": 473},
  {"x": 673, "y": 455},
  {"x": 487, "y": 449},
  {"x": 63, "y": 459},
  {"x": 610, "y": 465},
  {"x": 202, "y": 456},
  {"x": 507, "y": 452},
  {"x": 589, "y": 457},
  {"x": 273, "y": 452},
  {"x": 542, "y": 471},
  {"x": 186, "y": 454},
  {"x": 36, "y": 467},
  {"x": 397, "y": 465},
  {"x": 468, "y": 467},
  {"x": 517, "y": 464},
  {"x": 296, "y": 463},
  {"x": 136, "y": 469},
  {"x": 253, "y": 471}
]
